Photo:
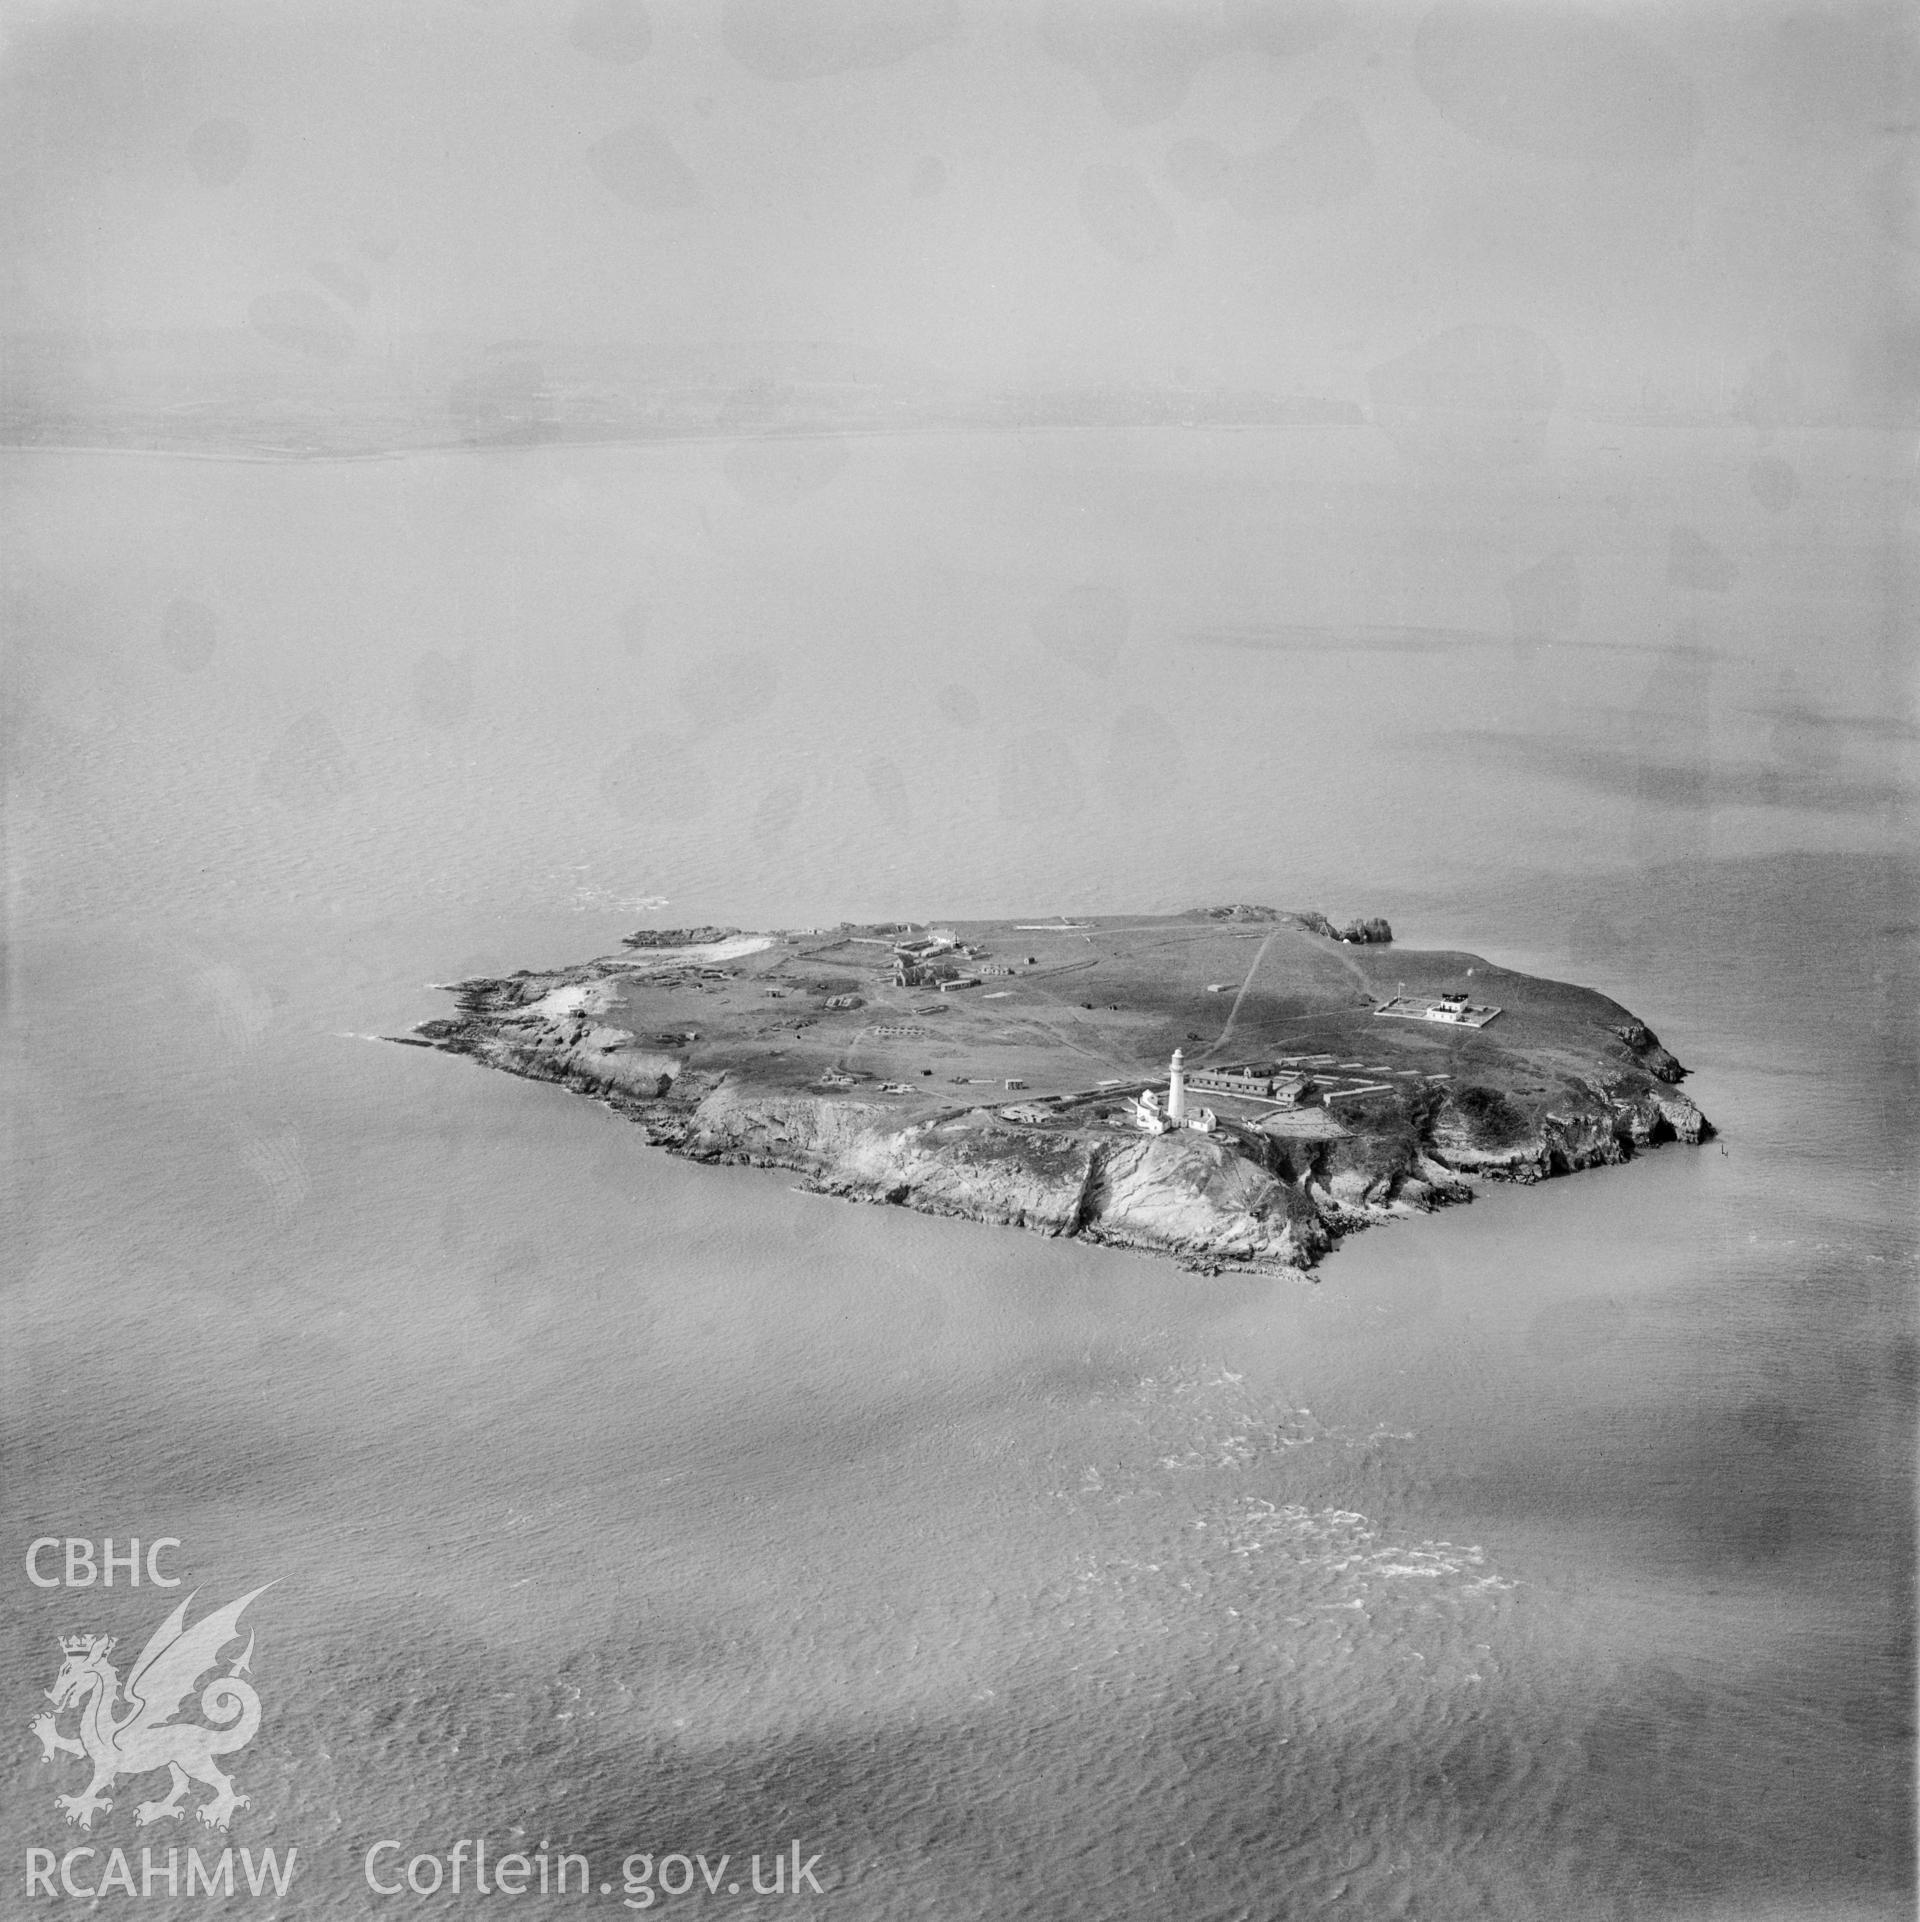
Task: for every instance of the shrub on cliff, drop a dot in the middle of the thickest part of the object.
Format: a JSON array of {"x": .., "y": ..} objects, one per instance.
[{"x": 1492, "y": 1120}]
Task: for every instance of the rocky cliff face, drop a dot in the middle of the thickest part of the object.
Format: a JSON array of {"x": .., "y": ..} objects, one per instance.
[
  {"x": 1185, "y": 1195},
  {"x": 1189, "y": 1196},
  {"x": 1531, "y": 1148},
  {"x": 1645, "y": 1046}
]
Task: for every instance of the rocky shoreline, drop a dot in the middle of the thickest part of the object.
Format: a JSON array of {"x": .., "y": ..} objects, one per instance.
[{"x": 1235, "y": 1199}]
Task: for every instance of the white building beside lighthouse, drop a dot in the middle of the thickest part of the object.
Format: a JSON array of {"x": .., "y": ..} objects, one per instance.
[{"x": 1152, "y": 1116}]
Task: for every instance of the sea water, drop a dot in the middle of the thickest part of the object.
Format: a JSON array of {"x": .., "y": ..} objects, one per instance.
[{"x": 1547, "y": 1557}]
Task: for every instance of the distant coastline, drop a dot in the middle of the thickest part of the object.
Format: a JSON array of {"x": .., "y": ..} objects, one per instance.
[
  {"x": 240, "y": 449},
  {"x": 338, "y": 394}
]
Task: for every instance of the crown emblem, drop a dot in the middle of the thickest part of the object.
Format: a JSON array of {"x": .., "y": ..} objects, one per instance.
[{"x": 79, "y": 1644}]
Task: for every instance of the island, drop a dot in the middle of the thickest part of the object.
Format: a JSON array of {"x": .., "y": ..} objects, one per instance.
[{"x": 1235, "y": 1088}]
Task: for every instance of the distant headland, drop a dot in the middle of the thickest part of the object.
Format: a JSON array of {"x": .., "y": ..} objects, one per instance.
[{"x": 1235, "y": 1088}]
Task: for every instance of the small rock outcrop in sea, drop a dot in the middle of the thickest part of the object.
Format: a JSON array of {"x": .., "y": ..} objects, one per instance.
[
  {"x": 1368, "y": 928},
  {"x": 676, "y": 937}
]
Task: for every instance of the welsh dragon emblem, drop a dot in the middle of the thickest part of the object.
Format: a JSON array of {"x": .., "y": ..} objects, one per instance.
[{"x": 129, "y": 1728}]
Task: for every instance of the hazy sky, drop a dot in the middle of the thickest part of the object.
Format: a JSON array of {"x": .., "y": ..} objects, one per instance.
[{"x": 1670, "y": 201}]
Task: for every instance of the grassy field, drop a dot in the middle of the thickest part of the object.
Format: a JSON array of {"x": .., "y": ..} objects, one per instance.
[{"x": 1109, "y": 999}]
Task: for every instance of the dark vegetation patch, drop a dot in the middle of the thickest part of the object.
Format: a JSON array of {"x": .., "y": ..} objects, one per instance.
[
  {"x": 1493, "y": 1119},
  {"x": 676, "y": 937}
]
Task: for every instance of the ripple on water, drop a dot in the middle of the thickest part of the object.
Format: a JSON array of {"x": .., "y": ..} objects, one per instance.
[{"x": 1191, "y": 1532}]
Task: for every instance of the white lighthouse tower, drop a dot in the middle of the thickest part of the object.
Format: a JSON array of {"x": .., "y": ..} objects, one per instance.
[{"x": 1177, "y": 1090}]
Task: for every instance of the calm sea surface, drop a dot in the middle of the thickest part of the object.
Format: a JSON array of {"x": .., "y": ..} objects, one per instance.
[{"x": 1548, "y": 1558}]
